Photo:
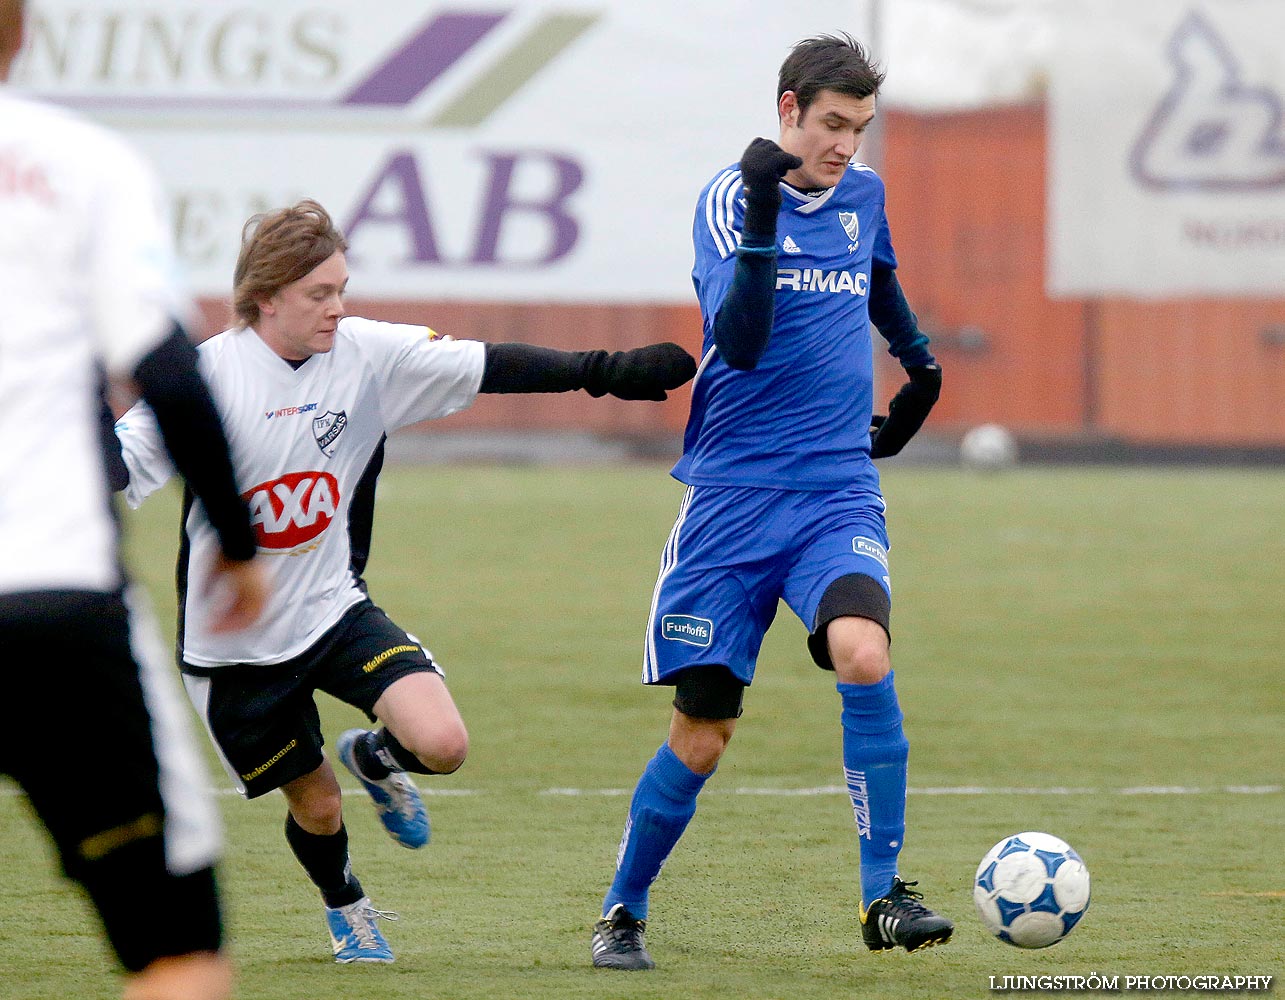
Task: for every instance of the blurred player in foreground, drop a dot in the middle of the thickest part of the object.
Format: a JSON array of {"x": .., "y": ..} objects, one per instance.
[
  {"x": 85, "y": 268},
  {"x": 308, "y": 396},
  {"x": 793, "y": 262}
]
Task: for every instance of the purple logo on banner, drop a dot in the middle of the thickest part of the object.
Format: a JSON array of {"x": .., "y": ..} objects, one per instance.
[{"x": 1212, "y": 130}]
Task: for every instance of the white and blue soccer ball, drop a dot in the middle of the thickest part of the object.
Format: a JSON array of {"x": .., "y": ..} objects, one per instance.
[{"x": 1031, "y": 890}]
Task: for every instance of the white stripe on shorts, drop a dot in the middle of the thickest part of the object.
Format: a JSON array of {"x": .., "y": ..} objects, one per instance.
[
  {"x": 193, "y": 835},
  {"x": 668, "y": 560},
  {"x": 198, "y": 690}
]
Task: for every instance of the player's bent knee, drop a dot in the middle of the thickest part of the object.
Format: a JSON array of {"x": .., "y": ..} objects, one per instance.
[
  {"x": 441, "y": 750},
  {"x": 449, "y": 755},
  {"x": 853, "y": 596},
  {"x": 858, "y": 650},
  {"x": 699, "y": 743},
  {"x": 317, "y": 807},
  {"x": 707, "y": 701}
]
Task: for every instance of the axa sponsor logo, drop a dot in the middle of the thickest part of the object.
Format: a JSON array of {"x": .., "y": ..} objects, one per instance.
[
  {"x": 688, "y": 629},
  {"x": 289, "y": 411},
  {"x": 815, "y": 279},
  {"x": 293, "y": 510},
  {"x": 864, "y": 546},
  {"x": 1215, "y": 128}
]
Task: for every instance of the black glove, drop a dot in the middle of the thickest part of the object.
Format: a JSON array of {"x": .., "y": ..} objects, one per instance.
[
  {"x": 644, "y": 373},
  {"x": 907, "y": 411},
  {"x": 763, "y": 164}
]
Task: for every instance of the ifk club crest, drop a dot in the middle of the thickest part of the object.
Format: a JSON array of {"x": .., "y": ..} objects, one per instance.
[
  {"x": 327, "y": 428},
  {"x": 852, "y": 226}
]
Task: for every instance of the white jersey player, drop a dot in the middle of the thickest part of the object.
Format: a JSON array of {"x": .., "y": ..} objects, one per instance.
[
  {"x": 86, "y": 278},
  {"x": 308, "y": 396},
  {"x": 301, "y": 440}
]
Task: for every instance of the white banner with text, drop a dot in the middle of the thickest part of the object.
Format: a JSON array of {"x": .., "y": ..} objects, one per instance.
[{"x": 507, "y": 151}]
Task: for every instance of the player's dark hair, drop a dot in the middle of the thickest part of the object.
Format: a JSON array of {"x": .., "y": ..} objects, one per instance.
[
  {"x": 278, "y": 248},
  {"x": 828, "y": 62}
]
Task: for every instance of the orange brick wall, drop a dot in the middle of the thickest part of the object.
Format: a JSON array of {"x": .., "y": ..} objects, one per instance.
[{"x": 966, "y": 197}]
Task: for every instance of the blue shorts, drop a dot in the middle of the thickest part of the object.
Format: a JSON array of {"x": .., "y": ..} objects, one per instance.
[{"x": 734, "y": 552}]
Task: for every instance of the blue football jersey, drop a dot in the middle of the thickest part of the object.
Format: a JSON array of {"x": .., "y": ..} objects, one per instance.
[{"x": 801, "y": 418}]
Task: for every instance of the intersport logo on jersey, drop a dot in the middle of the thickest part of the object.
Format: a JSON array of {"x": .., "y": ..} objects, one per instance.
[{"x": 293, "y": 510}]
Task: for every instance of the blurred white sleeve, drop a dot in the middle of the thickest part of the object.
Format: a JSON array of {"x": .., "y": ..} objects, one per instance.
[
  {"x": 144, "y": 452},
  {"x": 134, "y": 291}
]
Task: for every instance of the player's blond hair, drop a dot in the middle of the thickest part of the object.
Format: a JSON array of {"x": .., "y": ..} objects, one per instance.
[{"x": 278, "y": 248}]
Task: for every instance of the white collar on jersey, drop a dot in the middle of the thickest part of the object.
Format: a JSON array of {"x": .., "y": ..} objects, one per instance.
[{"x": 808, "y": 203}]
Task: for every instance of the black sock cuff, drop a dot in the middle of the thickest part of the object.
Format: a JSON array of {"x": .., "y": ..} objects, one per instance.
[
  {"x": 368, "y": 761},
  {"x": 386, "y": 742}
]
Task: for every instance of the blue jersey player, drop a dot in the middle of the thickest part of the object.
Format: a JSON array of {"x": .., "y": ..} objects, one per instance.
[{"x": 793, "y": 263}]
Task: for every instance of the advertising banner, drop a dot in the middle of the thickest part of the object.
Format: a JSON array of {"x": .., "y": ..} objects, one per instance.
[
  {"x": 1167, "y": 149},
  {"x": 519, "y": 151}
]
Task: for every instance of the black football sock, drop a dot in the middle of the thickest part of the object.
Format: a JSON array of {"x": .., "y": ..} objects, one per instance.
[{"x": 325, "y": 858}]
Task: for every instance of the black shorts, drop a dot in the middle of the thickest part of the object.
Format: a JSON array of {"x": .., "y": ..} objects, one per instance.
[
  {"x": 263, "y": 718},
  {"x": 76, "y": 665}
]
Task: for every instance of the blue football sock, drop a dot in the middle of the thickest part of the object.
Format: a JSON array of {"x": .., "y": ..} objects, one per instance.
[
  {"x": 874, "y": 763},
  {"x": 663, "y": 804}
]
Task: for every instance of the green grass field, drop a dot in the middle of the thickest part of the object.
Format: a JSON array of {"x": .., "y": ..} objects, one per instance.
[{"x": 1094, "y": 653}]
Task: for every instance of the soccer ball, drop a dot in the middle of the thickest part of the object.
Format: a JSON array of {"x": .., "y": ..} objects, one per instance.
[
  {"x": 1031, "y": 889},
  {"x": 988, "y": 448}
]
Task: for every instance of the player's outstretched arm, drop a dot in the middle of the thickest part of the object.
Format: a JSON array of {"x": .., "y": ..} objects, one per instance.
[
  {"x": 744, "y": 320},
  {"x": 643, "y": 373}
]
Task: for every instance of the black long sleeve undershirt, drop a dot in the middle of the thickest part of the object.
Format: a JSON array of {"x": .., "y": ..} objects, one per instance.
[
  {"x": 170, "y": 383},
  {"x": 745, "y": 317},
  {"x": 891, "y": 314},
  {"x": 527, "y": 368}
]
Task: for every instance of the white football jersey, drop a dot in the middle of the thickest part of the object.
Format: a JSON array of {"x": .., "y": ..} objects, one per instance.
[
  {"x": 87, "y": 281},
  {"x": 300, "y": 440}
]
